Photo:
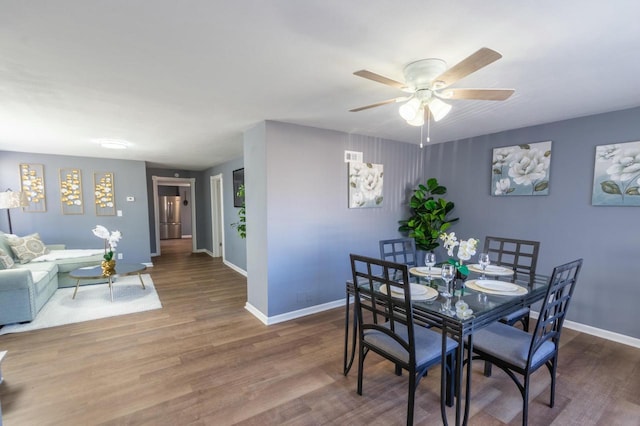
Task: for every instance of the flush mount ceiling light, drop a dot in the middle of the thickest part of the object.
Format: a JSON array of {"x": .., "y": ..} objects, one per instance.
[
  {"x": 112, "y": 143},
  {"x": 426, "y": 80}
]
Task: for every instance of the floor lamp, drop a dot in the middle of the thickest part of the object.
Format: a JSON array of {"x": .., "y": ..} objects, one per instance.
[{"x": 11, "y": 200}]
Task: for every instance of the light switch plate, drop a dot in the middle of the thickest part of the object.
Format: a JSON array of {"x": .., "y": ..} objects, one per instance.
[{"x": 119, "y": 212}]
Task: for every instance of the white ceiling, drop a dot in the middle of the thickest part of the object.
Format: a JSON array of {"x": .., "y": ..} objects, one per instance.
[{"x": 181, "y": 80}]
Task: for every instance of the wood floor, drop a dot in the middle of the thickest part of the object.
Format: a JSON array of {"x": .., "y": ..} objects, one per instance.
[{"x": 204, "y": 360}]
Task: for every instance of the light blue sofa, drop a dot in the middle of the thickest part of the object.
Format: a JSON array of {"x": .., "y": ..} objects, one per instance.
[{"x": 25, "y": 288}]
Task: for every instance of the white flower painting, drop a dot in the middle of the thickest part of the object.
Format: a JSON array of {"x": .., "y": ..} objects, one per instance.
[
  {"x": 365, "y": 185},
  {"x": 521, "y": 169},
  {"x": 616, "y": 175}
]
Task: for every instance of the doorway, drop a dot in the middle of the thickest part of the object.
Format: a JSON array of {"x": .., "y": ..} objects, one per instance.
[{"x": 184, "y": 188}]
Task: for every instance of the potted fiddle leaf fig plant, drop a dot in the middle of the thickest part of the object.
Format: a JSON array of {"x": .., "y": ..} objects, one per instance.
[{"x": 429, "y": 215}]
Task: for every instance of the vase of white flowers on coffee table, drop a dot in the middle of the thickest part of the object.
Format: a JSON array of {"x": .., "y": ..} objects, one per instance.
[{"x": 111, "y": 240}]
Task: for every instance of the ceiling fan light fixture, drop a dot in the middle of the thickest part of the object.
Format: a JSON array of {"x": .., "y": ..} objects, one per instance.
[
  {"x": 438, "y": 109},
  {"x": 418, "y": 120},
  {"x": 410, "y": 109}
]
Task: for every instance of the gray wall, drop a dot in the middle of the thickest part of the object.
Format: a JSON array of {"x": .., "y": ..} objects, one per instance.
[
  {"x": 185, "y": 210},
  {"x": 235, "y": 247},
  {"x": 255, "y": 196},
  {"x": 75, "y": 230},
  {"x": 299, "y": 229},
  {"x": 565, "y": 222},
  {"x": 297, "y": 200}
]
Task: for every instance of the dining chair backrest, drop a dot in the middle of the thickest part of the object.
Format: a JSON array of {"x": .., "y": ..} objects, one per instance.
[
  {"x": 375, "y": 279},
  {"x": 554, "y": 308},
  {"x": 519, "y": 255},
  {"x": 399, "y": 250}
]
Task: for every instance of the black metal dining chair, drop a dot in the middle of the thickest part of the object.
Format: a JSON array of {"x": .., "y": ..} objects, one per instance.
[
  {"x": 522, "y": 257},
  {"x": 517, "y": 352},
  {"x": 386, "y": 326},
  {"x": 399, "y": 250}
]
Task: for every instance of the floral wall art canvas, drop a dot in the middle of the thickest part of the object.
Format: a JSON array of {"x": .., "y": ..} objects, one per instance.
[
  {"x": 521, "y": 169},
  {"x": 365, "y": 185},
  {"x": 616, "y": 175}
]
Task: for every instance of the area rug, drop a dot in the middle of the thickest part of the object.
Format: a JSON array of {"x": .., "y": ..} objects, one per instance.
[{"x": 93, "y": 302}]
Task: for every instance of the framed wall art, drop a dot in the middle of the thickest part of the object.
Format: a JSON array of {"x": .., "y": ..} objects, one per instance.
[
  {"x": 521, "y": 169},
  {"x": 365, "y": 185},
  {"x": 616, "y": 175},
  {"x": 238, "y": 180},
  {"x": 71, "y": 191},
  {"x": 105, "y": 199},
  {"x": 32, "y": 183}
]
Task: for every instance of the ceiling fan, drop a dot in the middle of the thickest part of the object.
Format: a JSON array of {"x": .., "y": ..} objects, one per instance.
[{"x": 427, "y": 81}]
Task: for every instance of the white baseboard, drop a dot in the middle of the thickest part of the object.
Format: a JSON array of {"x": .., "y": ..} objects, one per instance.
[
  {"x": 256, "y": 313},
  {"x": 148, "y": 264},
  {"x": 294, "y": 314},
  {"x": 598, "y": 332},
  {"x": 227, "y": 263},
  {"x": 235, "y": 268}
]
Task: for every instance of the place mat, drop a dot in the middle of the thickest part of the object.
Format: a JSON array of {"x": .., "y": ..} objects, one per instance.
[
  {"x": 473, "y": 285},
  {"x": 421, "y": 294},
  {"x": 422, "y": 271},
  {"x": 491, "y": 270}
]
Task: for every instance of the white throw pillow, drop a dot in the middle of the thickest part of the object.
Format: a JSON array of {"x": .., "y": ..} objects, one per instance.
[
  {"x": 28, "y": 247},
  {"x": 6, "y": 261}
]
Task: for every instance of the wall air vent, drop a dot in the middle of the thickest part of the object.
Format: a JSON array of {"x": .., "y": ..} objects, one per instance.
[{"x": 352, "y": 157}]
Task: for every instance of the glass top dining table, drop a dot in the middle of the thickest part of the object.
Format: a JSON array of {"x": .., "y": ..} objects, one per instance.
[{"x": 488, "y": 304}]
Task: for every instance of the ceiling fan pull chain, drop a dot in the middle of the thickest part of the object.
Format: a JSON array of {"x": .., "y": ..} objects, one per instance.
[
  {"x": 421, "y": 129},
  {"x": 428, "y": 125}
]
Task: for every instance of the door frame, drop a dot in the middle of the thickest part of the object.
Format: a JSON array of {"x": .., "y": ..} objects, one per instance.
[
  {"x": 217, "y": 217},
  {"x": 172, "y": 181}
]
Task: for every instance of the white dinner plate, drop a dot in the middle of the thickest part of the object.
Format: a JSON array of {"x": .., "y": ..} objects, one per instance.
[
  {"x": 423, "y": 271},
  {"x": 418, "y": 292},
  {"x": 497, "y": 285},
  {"x": 476, "y": 285},
  {"x": 491, "y": 270}
]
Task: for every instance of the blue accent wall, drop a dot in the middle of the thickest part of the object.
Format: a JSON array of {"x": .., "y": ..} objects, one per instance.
[
  {"x": 300, "y": 230},
  {"x": 75, "y": 230},
  {"x": 566, "y": 224},
  {"x": 297, "y": 200}
]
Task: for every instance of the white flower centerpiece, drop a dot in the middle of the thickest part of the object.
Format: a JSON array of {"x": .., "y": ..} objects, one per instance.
[
  {"x": 111, "y": 240},
  {"x": 466, "y": 249}
]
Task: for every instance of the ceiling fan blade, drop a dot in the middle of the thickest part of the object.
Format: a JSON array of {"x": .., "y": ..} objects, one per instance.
[
  {"x": 473, "y": 63},
  {"x": 478, "y": 94},
  {"x": 380, "y": 79},
  {"x": 377, "y": 104}
]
